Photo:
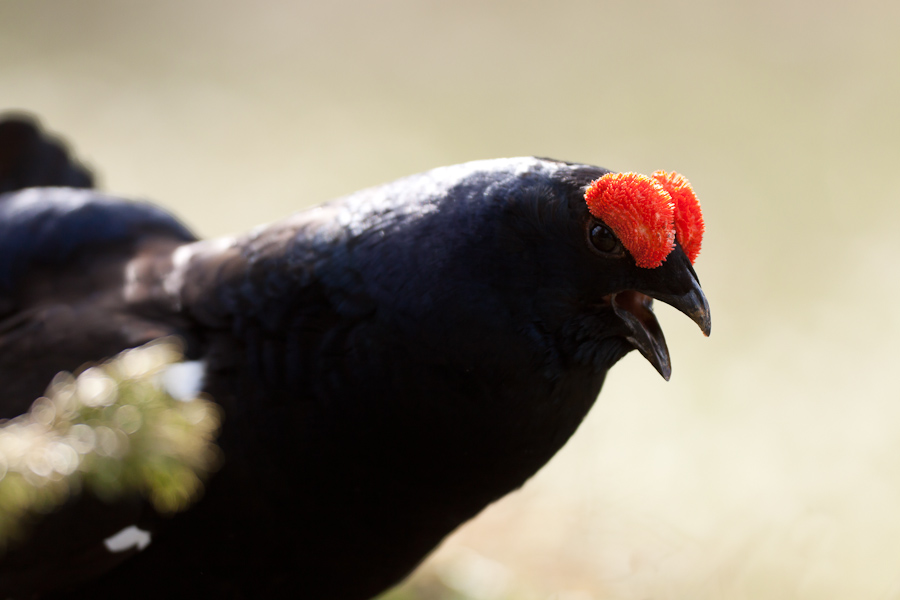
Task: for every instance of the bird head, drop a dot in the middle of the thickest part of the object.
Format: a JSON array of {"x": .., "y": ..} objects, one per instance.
[
  {"x": 657, "y": 222},
  {"x": 600, "y": 247}
]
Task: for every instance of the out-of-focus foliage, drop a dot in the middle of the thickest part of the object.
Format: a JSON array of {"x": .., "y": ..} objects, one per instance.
[{"x": 114, "y": 429}]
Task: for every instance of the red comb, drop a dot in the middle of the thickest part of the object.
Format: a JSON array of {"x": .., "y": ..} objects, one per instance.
[
  {"x": 688, "y": 218},
  {"x": 639, "y": 211}
]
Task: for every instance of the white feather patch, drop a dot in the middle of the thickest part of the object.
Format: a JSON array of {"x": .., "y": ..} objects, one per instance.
[
  {"x": 184, "y": 380},
  {"x": 128, "y": 538}
]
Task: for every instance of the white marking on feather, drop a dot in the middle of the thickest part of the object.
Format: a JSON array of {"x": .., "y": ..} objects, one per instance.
[
  {"x": 128, "y": 538},
  {"x": 184, "y": 380},
  {"x": 131, "y": 281},
  {"x": 181, "y": 260}
]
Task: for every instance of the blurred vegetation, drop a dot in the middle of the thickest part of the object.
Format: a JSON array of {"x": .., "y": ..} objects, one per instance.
[{"x": 114, "y": 429}]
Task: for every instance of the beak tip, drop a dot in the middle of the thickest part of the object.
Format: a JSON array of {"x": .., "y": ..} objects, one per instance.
[
  {"x": 663, "y": 367},
  {"x": 699, "y": 313}
]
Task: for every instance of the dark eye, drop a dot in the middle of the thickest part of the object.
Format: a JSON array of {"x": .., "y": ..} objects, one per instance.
[{"x": 603, "y": 239}]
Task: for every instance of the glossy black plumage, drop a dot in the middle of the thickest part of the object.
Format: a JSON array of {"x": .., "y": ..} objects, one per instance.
[
  {"x": 28, "y": 158},
  {"x": 389, "y": 363}
]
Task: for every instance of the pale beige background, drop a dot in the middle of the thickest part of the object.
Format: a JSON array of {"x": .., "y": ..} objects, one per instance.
[{"x": 769, "y": 467}]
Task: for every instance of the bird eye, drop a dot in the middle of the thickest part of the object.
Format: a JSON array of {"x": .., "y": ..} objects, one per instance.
[{"x": 603, "y": 239}]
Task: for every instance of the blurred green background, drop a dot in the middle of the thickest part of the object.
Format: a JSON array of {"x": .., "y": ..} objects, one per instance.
[{"x": 769, "y": 467}]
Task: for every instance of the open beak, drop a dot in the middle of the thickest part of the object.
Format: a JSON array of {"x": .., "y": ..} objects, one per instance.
[{"x": 636, "y": 310}]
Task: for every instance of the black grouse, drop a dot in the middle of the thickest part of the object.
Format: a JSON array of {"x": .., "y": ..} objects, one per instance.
[{"x": 388, "y": 363}]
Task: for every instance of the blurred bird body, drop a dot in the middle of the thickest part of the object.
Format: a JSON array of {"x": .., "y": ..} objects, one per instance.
[{"x": 388, "y": 364}]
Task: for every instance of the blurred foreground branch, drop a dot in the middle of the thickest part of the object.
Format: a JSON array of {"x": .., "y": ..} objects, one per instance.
[{"x": 132, "y": 424}]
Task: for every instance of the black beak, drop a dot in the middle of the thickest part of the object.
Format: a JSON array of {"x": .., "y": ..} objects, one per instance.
[
  {"x": 636, "y": 310},
  {"x": 692, "y": 303}
]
